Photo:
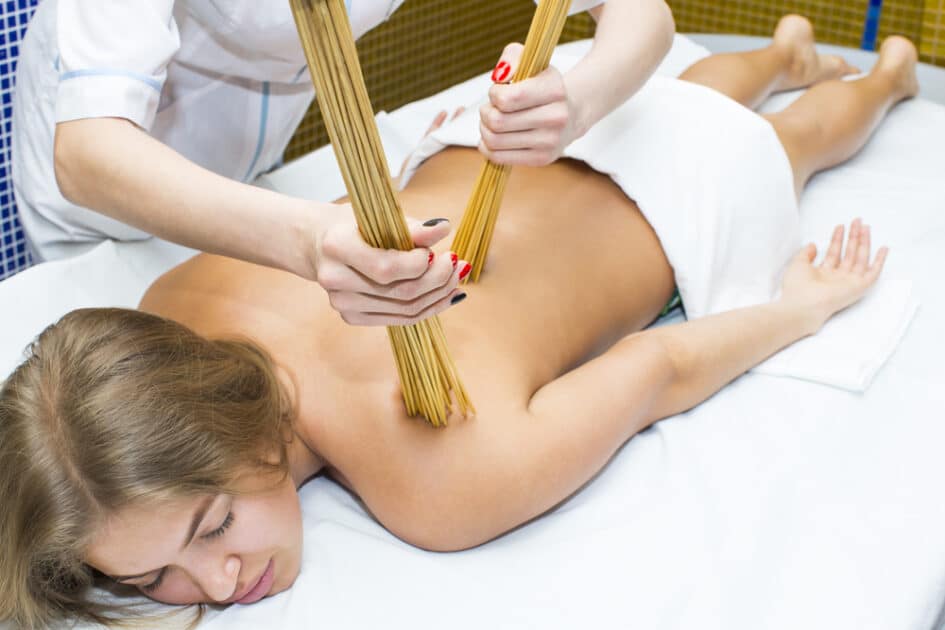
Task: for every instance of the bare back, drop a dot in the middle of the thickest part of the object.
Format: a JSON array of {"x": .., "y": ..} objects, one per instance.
[{"x": 573, "y": 267}]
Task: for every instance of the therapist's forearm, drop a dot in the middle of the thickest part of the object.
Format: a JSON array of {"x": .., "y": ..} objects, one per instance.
[
  {"x": 113, "y": 167},
  {"x": 633, "y": 37}
]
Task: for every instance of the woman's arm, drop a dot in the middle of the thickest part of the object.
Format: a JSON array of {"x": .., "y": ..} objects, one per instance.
[
  {"x": 531, "y": 123},
  {"x": 112, "y": 166},
  {"x": 456, "y": 492}
]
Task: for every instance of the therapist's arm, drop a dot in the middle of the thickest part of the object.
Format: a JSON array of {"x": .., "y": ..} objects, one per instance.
[
  {"x": 112, "y": 166},
  {"x": 633, "y": 37},
  {"x": 530, "y": 123}
]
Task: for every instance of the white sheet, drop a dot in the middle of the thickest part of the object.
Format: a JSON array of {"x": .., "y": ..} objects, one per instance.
[{"x": 775, "y": 504}]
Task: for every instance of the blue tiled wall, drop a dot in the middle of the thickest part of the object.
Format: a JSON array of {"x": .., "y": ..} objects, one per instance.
[{"x": 14, "y": 16}]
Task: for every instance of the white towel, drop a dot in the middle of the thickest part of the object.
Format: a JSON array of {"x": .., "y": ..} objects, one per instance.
[{"x": 714, "y": 181}]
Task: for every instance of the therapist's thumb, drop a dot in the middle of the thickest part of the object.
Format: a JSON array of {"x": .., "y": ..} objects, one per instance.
[
  {"x": 428, "y": 233},
  {"x": 508, "y": 64}
]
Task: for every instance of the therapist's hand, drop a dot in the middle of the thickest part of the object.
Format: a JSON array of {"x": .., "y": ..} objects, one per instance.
[
  {"x": 528, "y": 123},
  {"x": 375, "y": 287}
]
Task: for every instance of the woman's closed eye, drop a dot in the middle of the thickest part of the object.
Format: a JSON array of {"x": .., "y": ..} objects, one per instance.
[
  {"x": 149, "y": 588},
  {"x": 152, "y": 586},
  {"x": 222, "y": 528}
]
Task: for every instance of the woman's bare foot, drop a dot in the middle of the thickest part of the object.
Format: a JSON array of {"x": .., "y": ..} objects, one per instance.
[
  {"x": 897, "y": 60},
  {"x": 795, "y": 36}
]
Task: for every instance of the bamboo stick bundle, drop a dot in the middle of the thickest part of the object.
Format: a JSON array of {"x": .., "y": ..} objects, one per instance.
[
  {"x": 427, "y": 373},
  {"x": 475, "y": 231}
]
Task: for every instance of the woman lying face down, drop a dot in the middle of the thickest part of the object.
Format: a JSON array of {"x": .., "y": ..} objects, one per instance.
[{"x": 163, "y": 448}]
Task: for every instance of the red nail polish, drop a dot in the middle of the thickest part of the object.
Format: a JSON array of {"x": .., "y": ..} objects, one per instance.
[
  {"x": 465, "y": 271},
  {"x": 455, "y": 259},
  {"x": 501, "y": 72},
  {"x": 430, "y": 261}
]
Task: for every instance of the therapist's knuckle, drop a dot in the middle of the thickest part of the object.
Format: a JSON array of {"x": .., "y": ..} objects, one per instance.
[
  {"x": 556, "y": 90},
  {"x": 495, "y": 120},
  {"x": 545, "y": 143},
  {"x": 330, "y": 278},
  {"x": 353, "y": 318},
  {"x": 505, "y": 100},
  {"x": 384, "y": 271},
  {"x": 559, "y": 117},
  {"x": 333, "y": 246},
  {"x": 444, "y": 275},
  {"x": 413, "y": 309},
  {"x": 488, "y": 137},
  {"x": 338, "y": 301},
  {"x": 405, "y": 291}
]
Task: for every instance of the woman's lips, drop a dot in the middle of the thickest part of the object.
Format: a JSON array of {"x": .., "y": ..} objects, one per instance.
[{"x": 260, "y": 588}]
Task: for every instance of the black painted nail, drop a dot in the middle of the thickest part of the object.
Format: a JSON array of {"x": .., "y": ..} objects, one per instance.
[
  {"x": 434, "y": 222},
  {"x": 458, "y": 298}
]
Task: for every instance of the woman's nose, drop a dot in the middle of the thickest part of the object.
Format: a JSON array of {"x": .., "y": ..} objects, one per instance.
[{"x": 219, "y": 579}]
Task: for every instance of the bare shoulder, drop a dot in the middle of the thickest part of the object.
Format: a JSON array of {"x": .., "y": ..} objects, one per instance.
[{"x": 418, "y": 481}]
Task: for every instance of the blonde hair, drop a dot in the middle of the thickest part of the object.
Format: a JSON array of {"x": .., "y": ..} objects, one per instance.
[{"x": 113, "y": 407}]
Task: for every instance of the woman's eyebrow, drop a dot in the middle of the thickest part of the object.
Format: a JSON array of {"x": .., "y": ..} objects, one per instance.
[
  {"x": 194, "y": 524},
  {"x": 198, "y": 516}
]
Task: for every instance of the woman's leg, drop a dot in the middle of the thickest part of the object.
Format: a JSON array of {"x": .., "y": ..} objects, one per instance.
[
  {"x": 790, "y": 62},
  {"x": 833, "y": 120}
]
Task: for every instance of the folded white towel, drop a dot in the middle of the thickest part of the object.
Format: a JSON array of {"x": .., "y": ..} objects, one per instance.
[
  {"x": 715, "y": 183},
  {"x": 853, "y": 346}
]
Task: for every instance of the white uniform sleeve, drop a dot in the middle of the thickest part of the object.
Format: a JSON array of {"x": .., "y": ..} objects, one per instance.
[
  {"x": 578, "y": 6},
  {"x": 113, "y": 57}
]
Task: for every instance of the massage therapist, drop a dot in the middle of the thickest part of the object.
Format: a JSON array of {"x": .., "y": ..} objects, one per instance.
[{"x": 141, "y": 117}]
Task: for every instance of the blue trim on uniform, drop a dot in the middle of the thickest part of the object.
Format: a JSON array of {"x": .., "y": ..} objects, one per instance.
[
  {"x": 871, "y": 28},
  {"x": 263, "y": 123},
  {"x": 111, "y": 72}
]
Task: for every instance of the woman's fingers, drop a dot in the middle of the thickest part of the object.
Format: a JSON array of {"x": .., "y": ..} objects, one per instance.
[
  {"x": 832, "y": 258},
  {"x": 436, "y": 124},
  {"x": 877, "y": 267},
  {"x": 862, "y": 262},
  {"x": 853, "y": 243}
]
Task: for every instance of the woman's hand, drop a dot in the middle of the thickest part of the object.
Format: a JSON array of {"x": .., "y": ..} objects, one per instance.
[
  {"x": 528, "y": 123},
  {"x": 376, "y": 287},
  {"x": 842, "y": 279}
]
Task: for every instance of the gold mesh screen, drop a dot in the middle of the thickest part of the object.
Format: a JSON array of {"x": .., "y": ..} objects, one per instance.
[
  {"x": 837, "y": 21},
  {"x": 429, "y": 45},
  {"x": 932, "y": 41}
]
